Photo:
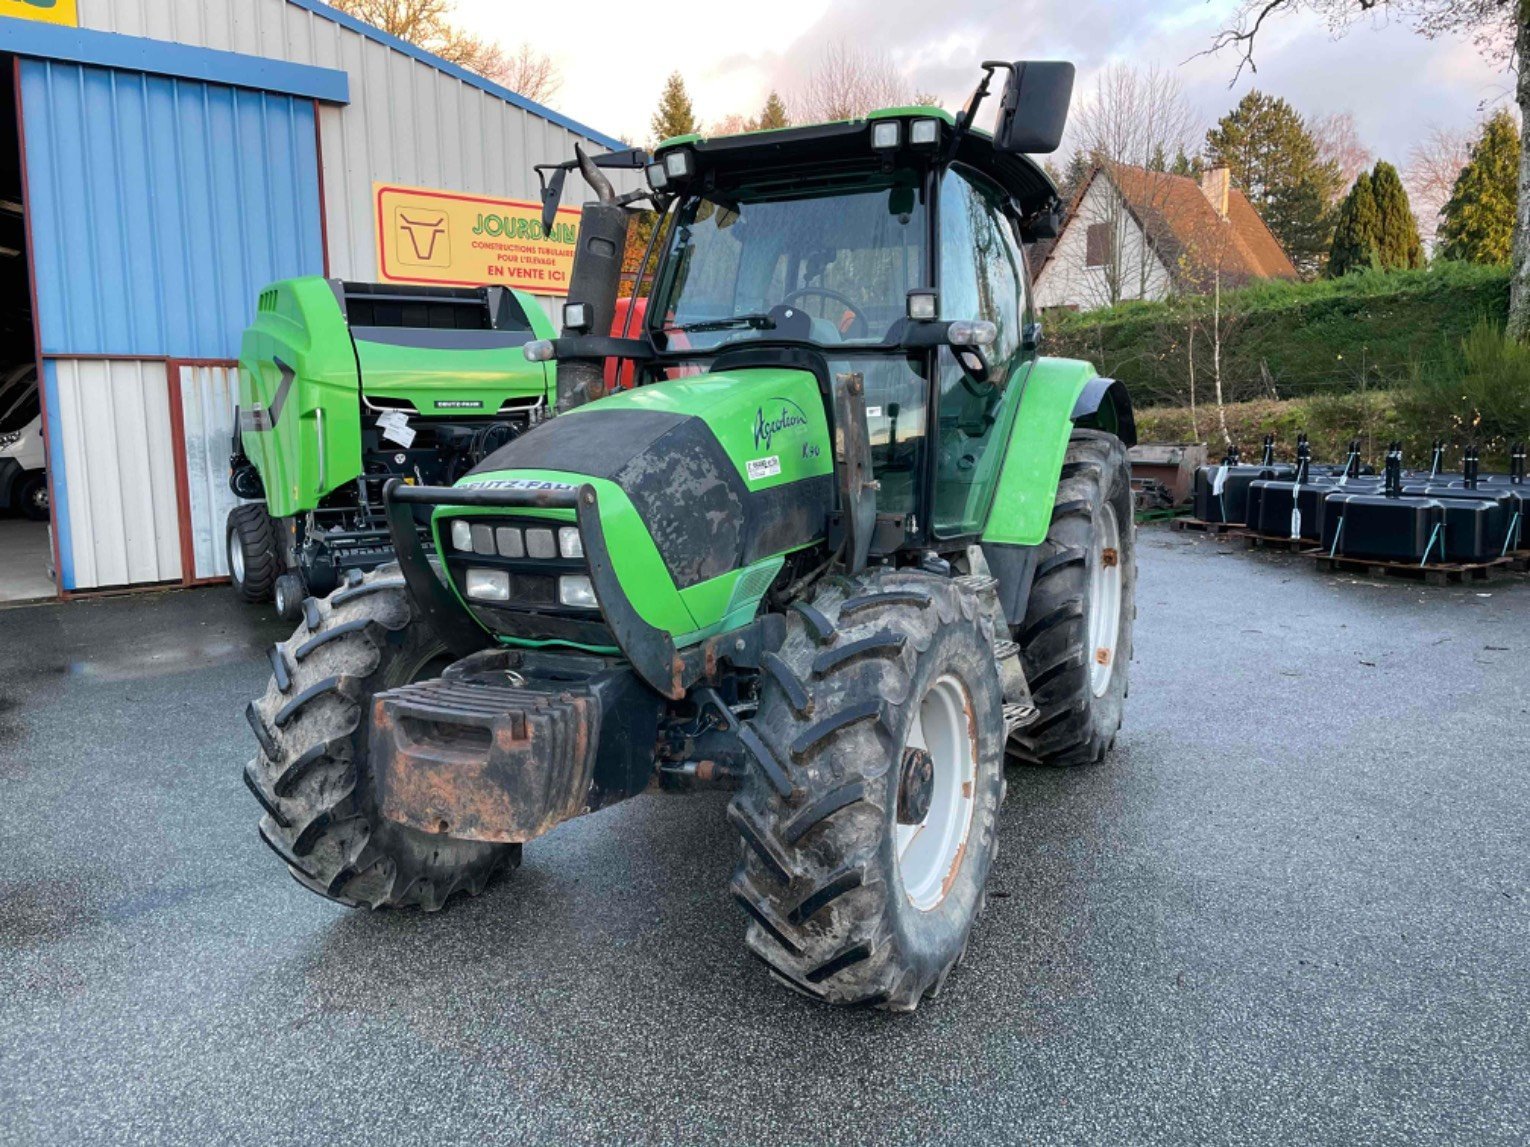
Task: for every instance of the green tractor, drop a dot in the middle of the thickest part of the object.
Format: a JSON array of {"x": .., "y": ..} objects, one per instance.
[
  {"x": 847, "y": 544},
  {"x": 346, "y": 386}
]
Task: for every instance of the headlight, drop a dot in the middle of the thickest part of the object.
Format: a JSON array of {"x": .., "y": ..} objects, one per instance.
[
  {"x": 575, "y": 590},
  {"x": 483, "y": 539},
  {"x": 9, "y": 440},
  {"x": 570, "y": 544},
  {"x": 541, "y": 544},
  {"x": 488, "y": 585},
  {"x": 462, "y": 536},
  {"x": 510, "y": 543}
]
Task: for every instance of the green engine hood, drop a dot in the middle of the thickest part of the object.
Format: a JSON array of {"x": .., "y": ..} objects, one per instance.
[
  {"x": 445, "y": 373},
  {"x": 705, "y": 484}
]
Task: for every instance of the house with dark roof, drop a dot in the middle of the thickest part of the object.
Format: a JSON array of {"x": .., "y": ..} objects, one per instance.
[{"x": 1138, "y": 234}]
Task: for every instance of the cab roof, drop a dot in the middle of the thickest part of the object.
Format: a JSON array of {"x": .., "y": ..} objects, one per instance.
[{"x": 833, "y": 143}]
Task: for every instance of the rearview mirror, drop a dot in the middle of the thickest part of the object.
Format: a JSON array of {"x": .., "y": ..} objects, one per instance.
[{"x": 1034, "y": 110}]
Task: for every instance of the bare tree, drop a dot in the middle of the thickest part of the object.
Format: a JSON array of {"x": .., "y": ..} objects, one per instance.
[
  {"x": 848, "y": 82},
  {"x": 731, "y": 125},
  {"x": 1338, "y": 143},
  {"x": 429, "y": 25},
  {"x": 1131, "y": 123},
  {"x": 1434, "y": 164},
  {"x": 532, "y": 74}
]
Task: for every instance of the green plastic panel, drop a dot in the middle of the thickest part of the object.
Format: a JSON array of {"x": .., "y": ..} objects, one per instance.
[{"x": 1022, "y": 505}]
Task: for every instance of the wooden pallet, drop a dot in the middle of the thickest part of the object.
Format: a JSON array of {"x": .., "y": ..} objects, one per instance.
[
  {"x": 1279, "y": 545},
  {"x": 1197, "y": 526},
  {"x": 1146, "y": 516},
  {"x": 1453, "y": 573}
]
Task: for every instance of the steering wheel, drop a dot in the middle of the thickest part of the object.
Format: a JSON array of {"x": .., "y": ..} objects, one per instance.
[{"x": 857, "y": 317}]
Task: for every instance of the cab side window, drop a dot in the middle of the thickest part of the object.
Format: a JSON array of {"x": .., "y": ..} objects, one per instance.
[{"x": 981, "y": 277}]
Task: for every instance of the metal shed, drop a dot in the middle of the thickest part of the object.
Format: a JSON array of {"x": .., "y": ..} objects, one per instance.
[{"x": 176, "y": 156}]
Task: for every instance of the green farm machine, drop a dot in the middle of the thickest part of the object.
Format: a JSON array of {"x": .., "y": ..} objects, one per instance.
[
  {"x": 847, "y": 545},
  {"x": 346, "y": 386}
]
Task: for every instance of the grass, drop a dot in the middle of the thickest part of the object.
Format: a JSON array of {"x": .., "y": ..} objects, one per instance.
[{"x": 1283, "y": 340}]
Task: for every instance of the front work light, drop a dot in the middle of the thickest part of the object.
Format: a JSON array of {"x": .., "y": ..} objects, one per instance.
[
  {"x": 657, "y": 179},
  {"x": 575, "y": 590},
  {"x": 885, "y": 134},
  {"x": 679, "y": 165},
  {"x": 923, "y": 304},
  {"x": 577, "y": 317},
  {"x": 924, "y": 132},
  {"x": 488, "y": 585}
]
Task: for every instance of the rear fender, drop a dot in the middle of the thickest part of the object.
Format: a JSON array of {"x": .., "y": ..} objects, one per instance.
[{"x": 1060, "y": 394}]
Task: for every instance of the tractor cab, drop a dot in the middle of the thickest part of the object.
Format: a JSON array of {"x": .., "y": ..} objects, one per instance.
[{"x": 871, "y": 247}]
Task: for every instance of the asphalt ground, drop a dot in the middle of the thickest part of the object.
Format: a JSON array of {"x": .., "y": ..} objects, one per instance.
[{"x": 1294, "y": 906}]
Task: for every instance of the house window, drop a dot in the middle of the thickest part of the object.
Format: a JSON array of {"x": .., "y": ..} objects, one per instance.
[{"x": 1099, "y": 246}]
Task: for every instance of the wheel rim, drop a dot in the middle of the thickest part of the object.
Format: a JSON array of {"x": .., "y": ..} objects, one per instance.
[
  {"x": 235, "y": 558},
  {"x": 930, "y": 852},
  {"x": 1104, "y": 600},
  {"x": 40, "y": 497}
]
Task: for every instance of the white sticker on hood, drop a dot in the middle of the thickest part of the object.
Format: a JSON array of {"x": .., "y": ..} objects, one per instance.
[{"x": 764, "y": 468}]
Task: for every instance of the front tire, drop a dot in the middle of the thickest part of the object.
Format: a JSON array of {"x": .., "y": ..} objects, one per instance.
[
  {"x": 253, "y": 563},
  {"x": 863, "y": 861},
  {"x": 1076, "y": 639},
  {"x": 312, "y": 775},
  {"x": 32, "y": 497}
]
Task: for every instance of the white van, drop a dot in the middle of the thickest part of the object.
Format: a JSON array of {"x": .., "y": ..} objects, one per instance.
[{"x": 23, "y": 465}]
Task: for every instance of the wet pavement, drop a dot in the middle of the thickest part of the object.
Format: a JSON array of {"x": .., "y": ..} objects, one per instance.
[{"x": 1294, "y": 906}]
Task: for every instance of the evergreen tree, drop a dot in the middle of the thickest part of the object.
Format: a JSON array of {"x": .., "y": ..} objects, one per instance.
[
  {"x": 1159, "y": 161},
  {"x": 1356, "y": 233},
  {"x": 1274, "y": 161},
  {"x": 1477, "y": 223},
  {"x": 1375, "y": 226},
  {"x": 774, "y": 115},
  {"x": 674, "y": 116},
  {"x": 1397, "y": 243},
  {"x": 1188, "y": 166}
]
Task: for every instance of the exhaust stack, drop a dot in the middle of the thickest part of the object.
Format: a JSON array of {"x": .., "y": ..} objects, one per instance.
[{"x": 594, "y": 281}]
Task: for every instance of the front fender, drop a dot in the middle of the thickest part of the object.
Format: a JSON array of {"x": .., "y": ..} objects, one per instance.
[{"x": 1060, "y": 394}]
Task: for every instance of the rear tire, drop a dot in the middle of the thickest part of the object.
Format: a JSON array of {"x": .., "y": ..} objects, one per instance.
[
  {"x": 847, "y": 905},
  {"x": 1075, "y": 660},
  {"x": 312, "y": 775},
  {"x": 253, "y": 563}
]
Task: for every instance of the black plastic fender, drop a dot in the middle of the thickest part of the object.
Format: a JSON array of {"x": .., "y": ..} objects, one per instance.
[{"x": 1105, "y": 405}]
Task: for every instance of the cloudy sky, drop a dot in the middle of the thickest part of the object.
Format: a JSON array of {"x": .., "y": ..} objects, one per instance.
[{"x": 614, "y": 62}]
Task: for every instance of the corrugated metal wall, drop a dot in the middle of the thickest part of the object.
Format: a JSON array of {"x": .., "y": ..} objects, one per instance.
[
  {"x": 160, "y": 207},
  {"x": 407, "y": 122},
  {"x": 116, "y": 508},
  {"x": 208, "y": 396}
]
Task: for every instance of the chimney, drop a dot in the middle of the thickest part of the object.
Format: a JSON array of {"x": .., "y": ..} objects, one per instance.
[{"x": 1216, "y": 186}]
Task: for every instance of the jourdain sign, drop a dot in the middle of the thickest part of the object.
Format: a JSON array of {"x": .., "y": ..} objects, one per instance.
[{"x": 443, "y": 237}]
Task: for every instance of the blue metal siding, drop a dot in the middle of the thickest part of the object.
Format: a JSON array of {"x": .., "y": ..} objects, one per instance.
[{"x": 161, "y": 206}]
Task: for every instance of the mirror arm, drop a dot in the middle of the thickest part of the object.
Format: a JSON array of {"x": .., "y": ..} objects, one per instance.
[{"x": 969, "y": 113}]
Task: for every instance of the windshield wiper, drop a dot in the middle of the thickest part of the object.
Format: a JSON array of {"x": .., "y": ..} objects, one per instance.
[{"x": 753, "y": 322}]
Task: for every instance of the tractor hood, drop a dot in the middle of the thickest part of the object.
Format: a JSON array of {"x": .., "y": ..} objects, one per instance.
[
  {"x": 704, "y": 485},
  {"x": 436, "y": 373}
]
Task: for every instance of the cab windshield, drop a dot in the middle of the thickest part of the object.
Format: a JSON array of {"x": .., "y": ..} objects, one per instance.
[{"x": 828, "y": 265}]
